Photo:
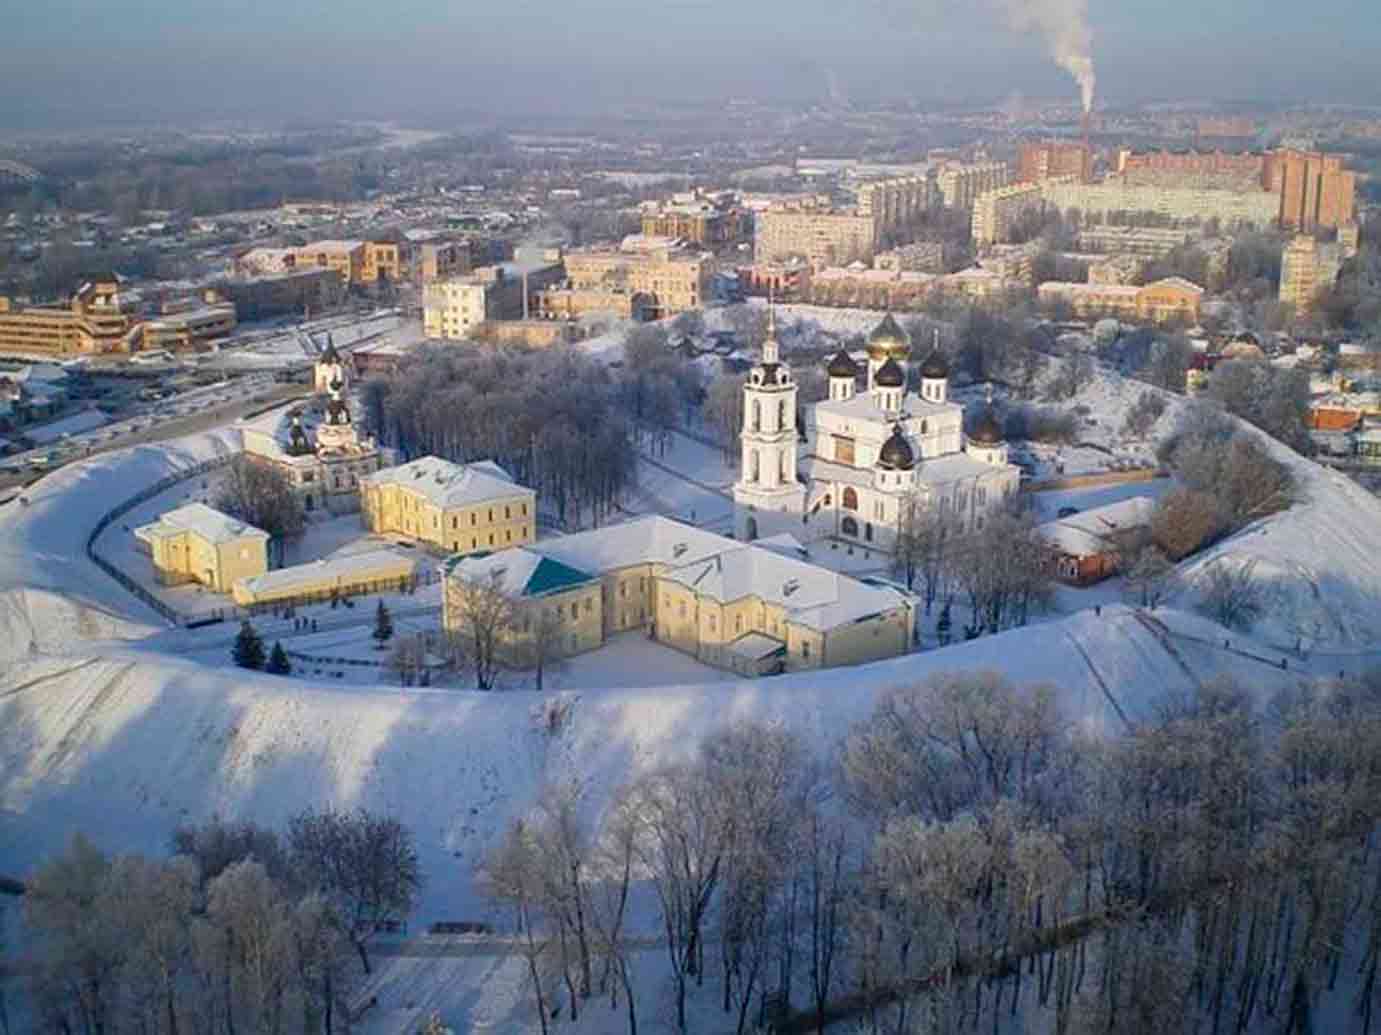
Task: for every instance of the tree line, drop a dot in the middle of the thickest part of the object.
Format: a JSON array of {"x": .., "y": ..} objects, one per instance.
[
  {"x": 239, "y": 929},
  {"x": 967, "y": 855}
]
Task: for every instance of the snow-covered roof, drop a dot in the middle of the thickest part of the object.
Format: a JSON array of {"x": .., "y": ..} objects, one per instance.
[
  {"x": 447, "y": 484},
  {"x": 646, "y": 540},
  {"x": 383, "y": 563},
  {"x": 755, "y": 646},
  {"x": 521, "y": 572},
  {"x": 335, "y": 247},
  {"x": 811, "y": 595},
  {"x": 943, "y": 470},
  {"x": 1088, "y": 533},
  {"x": 200, "y": 520}
]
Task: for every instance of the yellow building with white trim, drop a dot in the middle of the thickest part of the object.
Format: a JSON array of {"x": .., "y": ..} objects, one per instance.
[{"x": 458, "y": 508}]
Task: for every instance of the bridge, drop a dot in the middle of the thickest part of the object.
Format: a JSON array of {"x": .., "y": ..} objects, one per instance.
[{"x": 18, "y": 171}]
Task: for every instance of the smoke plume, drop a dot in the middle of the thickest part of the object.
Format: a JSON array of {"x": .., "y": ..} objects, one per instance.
[{"x": 1064, "y": 26}]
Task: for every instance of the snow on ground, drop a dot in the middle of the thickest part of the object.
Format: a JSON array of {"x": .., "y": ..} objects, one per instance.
[
  {"x": 124, "y": 745},
  {"x": 51, "y": 595}
]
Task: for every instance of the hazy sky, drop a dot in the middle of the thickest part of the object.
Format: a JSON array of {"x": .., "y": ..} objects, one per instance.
[{"x": 100, "y": 60}]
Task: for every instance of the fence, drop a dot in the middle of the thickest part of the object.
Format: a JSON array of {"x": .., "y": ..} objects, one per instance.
[
  {"x": 1089, "y": 481},
  {"x": 121, "y": 509}
]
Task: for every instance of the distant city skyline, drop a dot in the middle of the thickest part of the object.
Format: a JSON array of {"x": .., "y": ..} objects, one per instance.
[{"x": 66, "y": 60}]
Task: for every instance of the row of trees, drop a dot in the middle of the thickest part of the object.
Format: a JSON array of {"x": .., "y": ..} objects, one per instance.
[
  {"x": 241, "y": 929},
  {"x": 968, "y": 855},
  {"x": 554, "y": 418}
]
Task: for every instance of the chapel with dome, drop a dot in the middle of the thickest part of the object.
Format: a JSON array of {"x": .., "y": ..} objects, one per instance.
[{"x": 864, "y": 455}]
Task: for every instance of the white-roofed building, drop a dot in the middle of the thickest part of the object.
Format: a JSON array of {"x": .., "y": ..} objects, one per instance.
[
  {"x": 386, "y": 569},
  {"x": 1090, "y": 546},
  {"x": 196, "y": 543},
  {"x": 752, "y": 608},
  {"x": 459, "y": 508}
]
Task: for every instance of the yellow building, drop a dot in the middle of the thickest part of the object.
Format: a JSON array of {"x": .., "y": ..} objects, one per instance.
[
  {"x": 195, "y": 543},
  {"x": 95, "y": 321},
  {"x": 440, "y": 260},
  {"x": 996, "y": 212},
  {"x": 383, "y": 260},
  {"x": 753, "y": 609},
  {"x": 383, "y": 570},
  {"x": 550, "y": 599},
  {"x": 660, "y": 282},
  {"x": 1173, "y": 299},
  {"x": 345, "y": 257},
  {"x": 457, "y": 508}
]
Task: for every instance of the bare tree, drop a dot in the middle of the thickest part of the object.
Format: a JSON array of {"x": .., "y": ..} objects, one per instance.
[
  {"x": 480, "y": 620},
  {"x": 364, "y": 864},
  {"x": 513, "y": 875},
  {"x": 261, "y": 495},
  {"x": 724, "y": 412},
  {"x": 1231, "y": 595},
  {"x": 1070, "y": 376},
  {"x": 1149, "y": 576},
  {"x": 926, "y": 537},
  {"x": 1184, "y": 521},
  {"x": 535, "y": 642},
  {"x": 407, "y": 659}
]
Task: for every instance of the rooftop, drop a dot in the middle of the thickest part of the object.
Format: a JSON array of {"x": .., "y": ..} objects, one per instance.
[
  {"x": 646, "y": 540},
  {"x": 447, "y": 484},
  {"x": 521, "y": 572},
  {"x": 864, "y": 407},
  {"x": 1090, "y": 532},
  {"x": 385, "y": 562},
  {"x": 200, "y": 520}
]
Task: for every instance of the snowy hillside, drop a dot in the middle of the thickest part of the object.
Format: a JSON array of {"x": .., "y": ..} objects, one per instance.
[
  {"x": 127, "y": 745},
  {"x": 51, "y": 595}
]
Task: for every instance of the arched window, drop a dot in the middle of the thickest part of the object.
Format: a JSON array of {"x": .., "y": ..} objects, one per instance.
[
  {"x": 781, "y": 414},
  {"x": 781, "y": 470},
  {"x": 850, "y": 498},
  {"x": 753, "y": 467},
  {"x": 849, "y": 526},
  {"x": 757, "y": 415}
]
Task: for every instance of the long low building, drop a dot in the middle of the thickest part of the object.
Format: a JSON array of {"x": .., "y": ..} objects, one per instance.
[
  {"x": 1173, "y": 299},
  {"x": 1181, "y": 204},
  {"x": 371, "y": 571},
  {"x": 753, "y": 608}
]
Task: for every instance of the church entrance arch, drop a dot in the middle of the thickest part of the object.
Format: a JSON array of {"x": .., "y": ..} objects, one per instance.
[
  {"x": 751, "y": 529},
  {"x": 849, "y": 526}
]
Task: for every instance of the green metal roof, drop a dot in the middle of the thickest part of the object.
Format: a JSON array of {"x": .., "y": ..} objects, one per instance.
[{"x": 552, "y": 576}]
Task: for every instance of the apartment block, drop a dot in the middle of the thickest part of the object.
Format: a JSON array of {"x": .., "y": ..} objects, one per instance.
[
  {"x": 443, "y": 259},
  {"x": 997, "y": 211},
  {"x": 816, "y": 232},
  {"x": 960, "y": 185},
  {"x": 1219, "y": 170},
  {"x": 1049, "y": 160},
  {"x": 1314, "y": 189},
  {"x": 454, "y": 308},
  {"x": 1180, "y": 204},
  {"x": 95, "y": 321},
  {"x": 1306, "y": 268},
  {"x": 712, "y": 220}
]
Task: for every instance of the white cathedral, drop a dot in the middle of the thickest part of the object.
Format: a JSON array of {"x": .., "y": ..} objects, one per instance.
[{"x": 867, "y": 455}]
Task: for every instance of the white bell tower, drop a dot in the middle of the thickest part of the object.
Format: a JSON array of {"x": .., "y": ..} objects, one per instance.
[{"x": 768, "y": 498}]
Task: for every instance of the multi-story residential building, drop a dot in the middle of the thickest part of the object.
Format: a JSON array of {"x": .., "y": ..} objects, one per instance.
[
  {"x": 960, "y": 185},
  {"x": 785, "y": 281},
  {"x": 1218, "y": 170},
  {"x": 1051, "y": 159},
  {"x": 1307, "y": 267},
  {"x": 1180, "y": 204},
  {"x": 1314, "y": 189},
  {"x": 1172, "y": 300},
  {"x": 1117, "y": 269},
  {"x": 896, "y": 205},
  {"x": 813, "y": 230},
  {"x": 996, "y": 212},
  {"x": 97, "y": 320},
  {"x": 196, "y": 543},
  {"x": 457, "y": 508}
]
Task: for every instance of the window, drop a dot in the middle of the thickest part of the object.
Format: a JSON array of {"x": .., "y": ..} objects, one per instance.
[
  {"x": 474, "y": 519},
  {"x": 524, "y": 511},
  {"x": 753, "y": 467},
  {"x": 491, "y": 514},
  {"x": 868, "y": 531},
  {"x": 843, "y": 449},
  {"x": 738, "y": 624},
  {"x": 491, "y": 538},
  {"x": 711, "y": 623},
  {"x": 805, "y": 649},
  {"x": 455, "y": 523},
  {"x": 849, "y": 526},
  {"x": 474, "y": 543},
  {"x": 508, "y": 535},
  {"x": 757, "y": 415},
  {"x": 589, "y": 605},
  {"x": 850, "y": 498},
  {"x": 781, "y": 414},
  {"x": 623, "y": 590},
  {"x": 683, "y": 609}
]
